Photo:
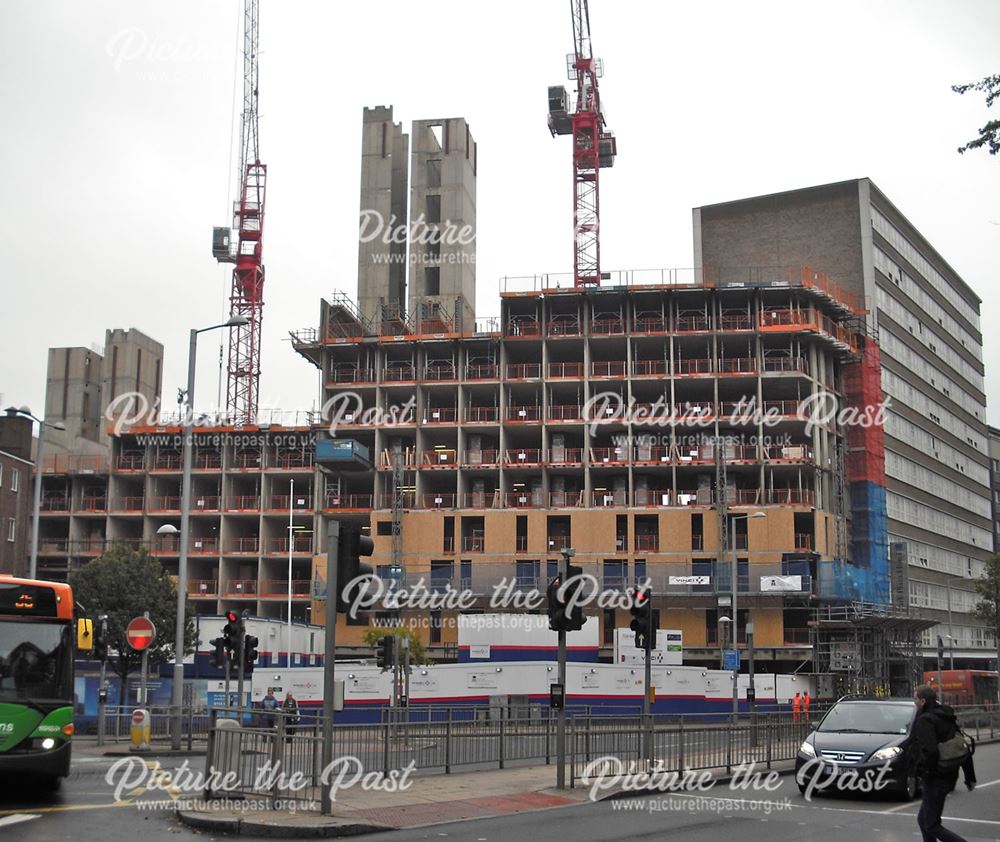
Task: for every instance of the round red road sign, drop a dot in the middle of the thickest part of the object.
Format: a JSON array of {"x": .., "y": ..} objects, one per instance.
[{"x": 140, "y": 633}]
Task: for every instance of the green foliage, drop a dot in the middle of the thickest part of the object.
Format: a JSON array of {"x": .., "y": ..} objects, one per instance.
[
  {"x": 988, "y": 588},
  {"x": 417, "y": 653},
  {"x": 989, "y": 135},
  {"x": 124, "y": 583}
]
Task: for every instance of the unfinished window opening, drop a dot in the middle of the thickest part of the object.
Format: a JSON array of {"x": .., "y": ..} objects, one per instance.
[
  {"x": 434, "y": 208},
  {"x": 434, "y": 172},
  {"x": 432, "y": 280}
]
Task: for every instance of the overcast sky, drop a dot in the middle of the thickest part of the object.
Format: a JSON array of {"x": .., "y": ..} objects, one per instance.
[{"x": 116, "y": 117}]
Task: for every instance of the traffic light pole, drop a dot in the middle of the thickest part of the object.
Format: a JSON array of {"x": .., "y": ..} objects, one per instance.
[
  {"x": 102, "y": 692},
  {"x": 561, "y": 715},
  {"x": 329, "y": 650}
]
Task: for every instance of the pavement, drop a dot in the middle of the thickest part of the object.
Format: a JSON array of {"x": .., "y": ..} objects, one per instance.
[{"x": 430, "y": 799}]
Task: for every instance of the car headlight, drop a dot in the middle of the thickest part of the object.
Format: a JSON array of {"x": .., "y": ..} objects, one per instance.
[
  {"x": 887, "y": 753},
  {"x": 807, "y": 749}
]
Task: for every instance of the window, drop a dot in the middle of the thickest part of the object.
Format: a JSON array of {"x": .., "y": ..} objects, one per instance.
[
  {"x": 609, "y": 626},
  {"x": 433, "y": 208},
  {"x": 383, "y": 527},
  {"x": 15, "y": 479},
  {"x": 527, "y": 573},
  {"x": 434, "y": 172},
  {"x": 432, "y": 280},
  {"x": 11, "y": 529},
  {"x": 640, "y": 570},
  {"x": 1, "y": 473}
]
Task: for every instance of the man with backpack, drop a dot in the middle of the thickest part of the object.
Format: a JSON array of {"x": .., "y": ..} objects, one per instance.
[{"x": 944, "y": 750}]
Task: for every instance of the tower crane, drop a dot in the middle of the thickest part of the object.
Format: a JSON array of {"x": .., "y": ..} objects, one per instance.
[
  {"x": 243, "y": 245},
  {"x": 594, "y": 145}
]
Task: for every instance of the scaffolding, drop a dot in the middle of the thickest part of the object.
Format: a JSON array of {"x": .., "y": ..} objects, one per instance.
[{"x": 866, "y": 648}]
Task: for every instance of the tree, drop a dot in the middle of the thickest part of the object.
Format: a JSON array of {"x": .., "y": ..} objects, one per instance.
[
  {"x": 417, "y": 653},
  {"x": 989, "y": 135},
  {"x": 124, "y": 583},
  {"x": 988, "y": 607}
]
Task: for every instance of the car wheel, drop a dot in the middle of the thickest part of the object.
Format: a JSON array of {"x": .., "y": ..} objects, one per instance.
[{"x": 802, "y": 789}]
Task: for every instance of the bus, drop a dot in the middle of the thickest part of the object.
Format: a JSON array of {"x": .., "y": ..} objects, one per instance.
[
  {"x": 965, "y": 687},
  {"x": 38, "y": 641}
]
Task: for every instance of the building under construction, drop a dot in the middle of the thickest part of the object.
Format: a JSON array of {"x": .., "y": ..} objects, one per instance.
[{"x": 659, "y": 423}]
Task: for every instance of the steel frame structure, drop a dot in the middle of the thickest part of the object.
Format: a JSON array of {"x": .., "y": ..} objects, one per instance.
[{"x": 246, "y": 297}]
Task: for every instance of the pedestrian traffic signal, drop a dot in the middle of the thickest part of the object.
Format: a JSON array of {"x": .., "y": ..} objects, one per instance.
[
  {"x": 564, "y": 613},
  {"x": 642, "y": 617},
  {"x": 386, "y": 653},
  {"x": 249, "y": 653},
  {"x": 219, "y": 655},
  {"x": 231, "y": 634},
  {"x": 352, "y": 545}
]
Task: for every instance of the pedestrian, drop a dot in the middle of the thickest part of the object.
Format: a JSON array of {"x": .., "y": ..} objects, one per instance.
[
  {"x": 796, "y": 706},
  {"x": 935, "y": 724},
  {"x": 290, "y": 708},
  {"x": 270, "y": 705},
  {"x": 805, "y": 705}
]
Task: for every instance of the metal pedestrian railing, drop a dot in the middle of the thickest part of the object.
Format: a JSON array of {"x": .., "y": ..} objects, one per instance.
[
  {"x": 118, "y": 723},
  {"x": 279, "y": 757}
]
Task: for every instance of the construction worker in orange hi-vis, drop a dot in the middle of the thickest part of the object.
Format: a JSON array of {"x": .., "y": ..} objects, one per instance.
[
  {"x": 805, "y": 704},
  {"x": 796, "y": 706}
]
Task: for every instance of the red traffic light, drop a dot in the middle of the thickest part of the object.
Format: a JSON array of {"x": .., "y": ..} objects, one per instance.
[
  {"x": 641, "y": 596},
  {"x": 231, "y": 616}
]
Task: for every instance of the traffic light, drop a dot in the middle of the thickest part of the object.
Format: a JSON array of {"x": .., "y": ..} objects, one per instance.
[
  {"x": 642, "y": 617},
  {"x": 574, "y": 582},
  {"x": 249, "y": 653},
  {"x": 231, "y": 635},
  {"x": 562, "y": 617},
  {"x": 351, "y": 546},
  {"x": 555, "y": 607},
  {"x": 219, "y": 655},
  {"x": 386, "y": 653}
]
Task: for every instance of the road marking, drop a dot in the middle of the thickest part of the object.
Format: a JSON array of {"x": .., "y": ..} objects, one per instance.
[
  {"x": 17, "y": 818},
  {"x": 848, "y": 809}
]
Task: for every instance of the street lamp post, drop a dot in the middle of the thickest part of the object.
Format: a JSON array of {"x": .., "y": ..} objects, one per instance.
[
  {"x": 736, "y": 620},
  {"x": 177, "y": 691},
  {"x": 58, "y": 425}
]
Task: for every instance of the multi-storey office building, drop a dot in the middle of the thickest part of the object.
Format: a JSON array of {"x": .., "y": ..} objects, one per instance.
[
  {"x": 928, "y": 326},
  {"x": 994, "y": 435},
  {"x": 15, "y": 491}
]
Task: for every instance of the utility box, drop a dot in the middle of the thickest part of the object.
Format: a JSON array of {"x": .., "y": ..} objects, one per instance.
[{"x": 346, "y": 454}]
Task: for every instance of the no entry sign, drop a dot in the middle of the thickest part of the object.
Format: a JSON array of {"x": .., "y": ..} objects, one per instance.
[{"x": 140, "y": 633}]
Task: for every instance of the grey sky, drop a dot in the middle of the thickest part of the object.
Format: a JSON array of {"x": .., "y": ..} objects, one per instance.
[{"x": 116, "y": 121}]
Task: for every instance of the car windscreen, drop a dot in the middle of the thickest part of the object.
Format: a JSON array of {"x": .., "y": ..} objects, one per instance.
[{"x": 868, "y": 718}]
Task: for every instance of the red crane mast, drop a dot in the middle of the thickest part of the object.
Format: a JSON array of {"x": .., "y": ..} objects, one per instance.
[
  {"x": 594, "y": 145},
  {"x": 246, "y": 298}
]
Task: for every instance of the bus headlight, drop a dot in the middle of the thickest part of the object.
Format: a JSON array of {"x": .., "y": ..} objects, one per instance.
[{"x": 48, "y": 743}]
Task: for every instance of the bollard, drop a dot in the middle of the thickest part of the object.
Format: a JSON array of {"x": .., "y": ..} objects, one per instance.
[
  {"x": 140, "y": 730},
  {"x": 224, "y": 761}
]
